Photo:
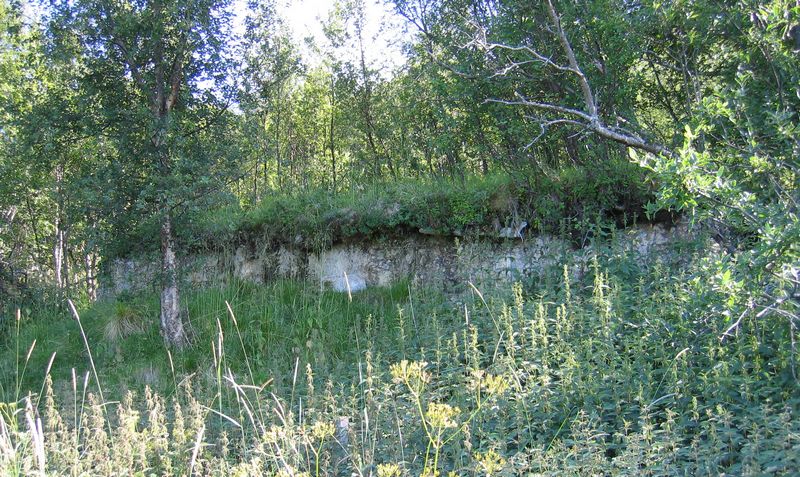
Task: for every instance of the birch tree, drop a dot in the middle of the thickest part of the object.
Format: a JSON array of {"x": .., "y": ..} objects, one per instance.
[{"x": 155, "y": 71}]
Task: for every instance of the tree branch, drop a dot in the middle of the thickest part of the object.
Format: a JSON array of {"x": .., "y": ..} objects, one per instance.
[
  {"x": 176, "y": 74},
  {"x": 587, "y": 118},
  {"x": 588, "y": 96}
]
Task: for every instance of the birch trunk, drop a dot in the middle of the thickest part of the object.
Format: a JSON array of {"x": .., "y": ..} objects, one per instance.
[
  {"x": 58, "y": 257},
  {"x": 171, "y": 323}
]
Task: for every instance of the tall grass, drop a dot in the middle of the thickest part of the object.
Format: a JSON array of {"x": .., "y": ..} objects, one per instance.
[
  {"x": 276, "y": 323},
  {"x": 618, "y": 373}
]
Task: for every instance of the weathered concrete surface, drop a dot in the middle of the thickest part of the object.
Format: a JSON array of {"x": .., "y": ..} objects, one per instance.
[{"x": 427, "y": 260}]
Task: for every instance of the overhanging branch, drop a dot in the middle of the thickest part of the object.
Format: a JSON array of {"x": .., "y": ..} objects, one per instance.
[{"x": 588, "y": 117}]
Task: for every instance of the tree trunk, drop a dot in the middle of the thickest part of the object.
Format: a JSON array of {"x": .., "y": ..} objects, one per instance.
[
  {"x": 330, "y": 131},
  {"x": 58, "y": 237},
  {"x": 255, "y": 182},
  {"x": 58, "y": 257},
  {"x": 90, "y": 265},
  {"x": 264, "y": 156},
  {"x": 66, "y": 256},
  {"x": 485, "y": 146},
  {"x": 278, "y": 148},
  {"x": 571, "y": 145},
  {"x": 171, "y": 324}
]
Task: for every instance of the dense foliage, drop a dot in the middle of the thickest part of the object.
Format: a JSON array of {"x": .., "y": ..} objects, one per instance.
[
  {"x": 130, "y": 128},
  {"x": 570, "y": 204}
]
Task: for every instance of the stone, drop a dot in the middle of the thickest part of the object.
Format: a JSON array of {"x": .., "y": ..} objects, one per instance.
[
  {"x": 348, "y": 283},
  {"x": 202, "y": 270},
  {"x": 514, "y": 231},
  {"x": 342, "y": 268},
  {"x": 248, "y": 266},
  {"x": 288, "y": 263}
]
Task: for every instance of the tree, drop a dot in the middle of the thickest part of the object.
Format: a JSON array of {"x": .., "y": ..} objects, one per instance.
[
  {"x": 588, "y": 115},
  {"x": 272, "y": 63},
  {"x": 737, "y": 170},
  {"x": 701, "y": 93},
  {"x": 154, "y": 80},
  {"x": 35, "y": 155},
  {"x": 12, "y": 58}
]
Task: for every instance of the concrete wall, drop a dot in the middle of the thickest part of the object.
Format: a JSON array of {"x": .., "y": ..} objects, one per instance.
[{"x": 429, "y": 260}]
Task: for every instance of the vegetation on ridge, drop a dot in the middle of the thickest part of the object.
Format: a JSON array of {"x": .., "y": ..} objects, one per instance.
[{"x": 567, "y": 202}]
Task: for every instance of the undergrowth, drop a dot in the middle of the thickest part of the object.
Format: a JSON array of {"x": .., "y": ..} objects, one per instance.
[
  {"x": 618, "y": 371},
  {"x": 276, "y": 322}
]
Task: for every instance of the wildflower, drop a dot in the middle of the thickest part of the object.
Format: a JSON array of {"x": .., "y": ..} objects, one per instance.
[
  {"x": 442, "y": 416},
  {"x": 429, "y": 472},
  {"x": 490, "y": 462},
  {"x": 273, "y": 435},
  {"x": 495, "y": 384},
  {"x": 477, "y": 377},
  {"x": 388, "y": 470},
  {"x": 412, "y": 374},
  {"x": 321, "y": 430}
]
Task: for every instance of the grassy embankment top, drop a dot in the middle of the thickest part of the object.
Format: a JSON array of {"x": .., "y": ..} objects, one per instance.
[{"x": 566, "y": 202}]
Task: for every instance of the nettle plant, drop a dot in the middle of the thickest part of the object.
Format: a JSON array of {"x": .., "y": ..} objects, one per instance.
[{"x": 442, "y": 423}]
